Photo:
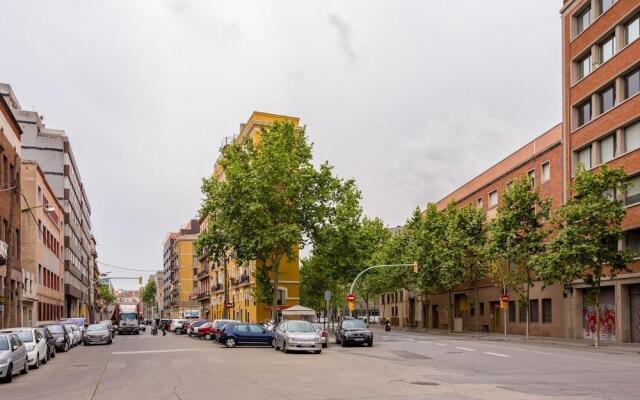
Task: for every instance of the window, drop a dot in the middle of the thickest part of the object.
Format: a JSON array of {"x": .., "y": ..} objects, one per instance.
[
  {"x": 584, "y": 66},
  {"x": 493, "y": 199},
  {"x": 607, "y": 49},
  {"x": 583, "y": 20},
  {"x": 523, "y": 311},
  {"x": 533, "y": 310},
  {"x": 604, "y": 5},
  {"x": 632, "y": 83},
  {"x": 481, "y": 308},
  {"x": 532, "y": 177},
  {"x": 633, "y": 193},
  {"x": 632, "y": 136},
  {"x": 607, "y": 99},
  {"x": 472, "y": 309},
  {"x": 632, "y": 239},
  {"x": 584, "y": 113},
  {"x": 584, "y": 157},
  {"x": 632, "y": 30},
  {"x": 546, "y": 311},
  {"x": 608, "y": 148},
  {"x": 479, "y": 203},
  {"x": 512, "y": 311},
  {"x": 546, "y": 171}
]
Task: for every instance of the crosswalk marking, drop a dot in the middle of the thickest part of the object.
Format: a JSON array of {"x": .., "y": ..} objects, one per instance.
[
  {"x": 496, "y": 354},
  {"x": 465, "y": 348},
  {"x": 117, "y": 353}
]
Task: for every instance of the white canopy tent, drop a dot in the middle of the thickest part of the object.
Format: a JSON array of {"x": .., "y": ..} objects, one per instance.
[{"x": 298, "y": 311}]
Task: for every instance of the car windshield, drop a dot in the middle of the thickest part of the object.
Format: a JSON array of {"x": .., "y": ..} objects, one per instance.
[
  {"x": 26, "y": 336},
  {"x": 353, "y": 324},
  {"x": 96, "y": 327},
  {"x": 318, "y": 327},
  {"x": 4, "y": 343},
  {"x": 128, "y": 317},
  {"x": 300, "y": 326},
  {"x": 199, "y": 323},
  {"x": 55, "y": 329}
]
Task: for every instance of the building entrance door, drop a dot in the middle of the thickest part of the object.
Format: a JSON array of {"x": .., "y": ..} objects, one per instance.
[
  {"x": 412, "y": 312},
  {"x": 435, "y": 316},
  {"x": 634, "y": 293},
  {"x": 496, "y": 316}
]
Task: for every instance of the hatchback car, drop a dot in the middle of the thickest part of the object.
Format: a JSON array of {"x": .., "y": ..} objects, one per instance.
[
  {"x": 109, "y": 324},
  {"x": 34, "y": 342},
  {"x": 204, "y": 331},
  {"x": 218, "y": 324},
  {"x": 13, "y": 356},
  {"x": 73, "y": 340},
  {"x": 61, "y": 337},
  {"x": 51, "y": 342},
  {"x": 353, "y": 331},
  {"x": 296, "y": 336},
  {"x": 97, "y": 334},
  {"x": 252, "y": 334},
  {"x": 176, "y": 326},
  {"x": 194, "y": 325}
]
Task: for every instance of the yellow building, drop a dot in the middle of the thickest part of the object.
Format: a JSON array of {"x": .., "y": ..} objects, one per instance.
[
  {"x": 181, "y": 265},
  {"x": 240, "y": 279}
]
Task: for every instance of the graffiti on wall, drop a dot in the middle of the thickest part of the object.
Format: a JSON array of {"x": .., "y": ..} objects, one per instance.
[{"x": 607, "y": 321}]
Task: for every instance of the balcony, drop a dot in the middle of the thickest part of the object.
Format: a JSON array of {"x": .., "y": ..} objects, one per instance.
[
  {"x": 203, "y": 273},
  {"x": 217, "y": 287},
  {"x": 201, "y": 295}
]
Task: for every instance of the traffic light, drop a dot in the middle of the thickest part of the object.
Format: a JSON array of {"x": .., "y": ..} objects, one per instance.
[
  {"x": 140, "y": 279},
  {"x": 415, "y": 267}
]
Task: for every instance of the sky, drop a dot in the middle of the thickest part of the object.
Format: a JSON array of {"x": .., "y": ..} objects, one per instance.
[{"x": 410, "y": 98}]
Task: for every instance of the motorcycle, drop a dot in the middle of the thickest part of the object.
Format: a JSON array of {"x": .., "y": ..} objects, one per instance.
[
  {"x": 154, "y": 330},
  {"x": 387, "y": 326}
]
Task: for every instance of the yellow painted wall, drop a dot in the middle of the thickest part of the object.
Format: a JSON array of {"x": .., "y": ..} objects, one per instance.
[{"x": 185, "y": 264}]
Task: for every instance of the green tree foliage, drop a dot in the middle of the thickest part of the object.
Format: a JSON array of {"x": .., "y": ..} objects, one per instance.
[
  {"x": 517, "y": 236},
  {"x": 105, "y": 293},
  {"x": 587, "y": 232},
  {"x": 148, "y": 295}
]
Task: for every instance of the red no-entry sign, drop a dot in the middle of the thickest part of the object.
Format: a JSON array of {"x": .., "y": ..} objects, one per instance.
[
  {"x": 505, "y": 298},
  {"x": 351, "y": 297}
]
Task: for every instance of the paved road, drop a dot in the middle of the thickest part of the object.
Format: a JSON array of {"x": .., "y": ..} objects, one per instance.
[{"x": 399, "y": 366}]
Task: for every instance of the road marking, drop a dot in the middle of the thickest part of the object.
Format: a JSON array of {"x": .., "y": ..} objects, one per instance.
[
  {"x": 410, "y": 340},
  {"x": 542, "y": 352},
  {"x": 440, "y": 344},
  {"x": 422, "y": 341},
  {"x": 118, "y": 353},
  {"x": 465, "y": 348},
  {"x": 496, "y": 354}
]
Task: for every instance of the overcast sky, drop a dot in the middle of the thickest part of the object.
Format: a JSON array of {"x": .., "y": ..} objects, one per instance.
[{"x": 410, "y": 98}]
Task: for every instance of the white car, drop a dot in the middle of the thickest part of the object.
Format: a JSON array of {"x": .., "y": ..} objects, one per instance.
[
  {"x": 176, "y": 326},
  {"x": 75, "y": 333},
  {"x": 34, "y": 342}
]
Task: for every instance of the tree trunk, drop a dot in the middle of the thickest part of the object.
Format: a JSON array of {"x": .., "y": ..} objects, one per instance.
[
  {"x": 450, "y": 294},
  {"x": 597, "y": 336},
  {"x": 366, "y": 305},
  {"x": 477, "y": 311},
  {"x": 528, "y": 304},
  {"x": 274, "y": 301}
]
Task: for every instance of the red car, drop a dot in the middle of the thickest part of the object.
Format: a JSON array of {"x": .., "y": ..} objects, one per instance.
[
  {"x": 205, "y": 331},
  {"x": 186, "y": 327}
]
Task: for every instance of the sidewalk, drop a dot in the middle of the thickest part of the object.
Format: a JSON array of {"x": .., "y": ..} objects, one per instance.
[{"x": 631, "y": 348}]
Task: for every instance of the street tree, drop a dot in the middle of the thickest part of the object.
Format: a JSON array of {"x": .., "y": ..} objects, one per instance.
[
  {"x": 105, "y": 294},
  {"x": 148, "y": 295},
  {"x": 587, "y": 232},
  {"x": 517, "y": 236}
]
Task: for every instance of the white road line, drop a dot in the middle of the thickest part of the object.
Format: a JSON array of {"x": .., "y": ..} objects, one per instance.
[
  {"x": 542, "y": 352},
  {"x": 425, "y": 342},
  {"x": 410, "y": 340},
  {"x": 465, "y": 348},
  {"x": 496, "y": 354},
  {"x": 117, "y": 353},
  {"x": 440, "y": 344}
]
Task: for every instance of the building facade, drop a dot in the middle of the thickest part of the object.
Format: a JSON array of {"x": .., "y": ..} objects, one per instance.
[
  {"x": 181, "y": 264},
  {"x": 11, "y": 281},
  {"x": 601, "y": 114},
  {"x": 51, "y": 149},
  {"x": 42, "y": 238},
  {"x": 232, "y": 286}
]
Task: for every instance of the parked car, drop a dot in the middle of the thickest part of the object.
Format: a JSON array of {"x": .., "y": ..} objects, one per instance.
[
  {"x": 34, "y": 342},
  {"x": 73, "y": 337},
  {"x": 234, "y": 334},
  {"x": 176, "y": 326},
  {"x": 61, "y": 337},
  {"x": 194, "y": 326},
  {"x": 51, "y": 342},
  {"x": 353, "y": 331},
  {"x": 109, "y": 324},
  {"x": 219, "y": 324},
  {"x": 324, "y": 335},
  {"x": 296, "y": 336},
  {"x": 204, "y": 331},
  {"x": 96, "y": 334},
  {"x": 13, "y": 356}
]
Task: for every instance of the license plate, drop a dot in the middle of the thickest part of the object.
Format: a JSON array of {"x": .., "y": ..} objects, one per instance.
[{"x": 358, "y": 339}]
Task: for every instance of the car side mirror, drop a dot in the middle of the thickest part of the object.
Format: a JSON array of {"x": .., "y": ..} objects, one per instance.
[{"x": 14, "y": 348}]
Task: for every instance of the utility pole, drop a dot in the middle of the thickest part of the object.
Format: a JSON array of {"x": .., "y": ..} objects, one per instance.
[{"x": 13, "y": 192}]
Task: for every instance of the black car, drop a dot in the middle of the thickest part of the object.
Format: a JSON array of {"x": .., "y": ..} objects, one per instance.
[
  {"x": 62, "y": 338},
  {"x": 353, "y": 331},
  {"x": 51, "y": 342}
]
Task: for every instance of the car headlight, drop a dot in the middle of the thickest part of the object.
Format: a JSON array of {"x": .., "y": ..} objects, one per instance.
[
  {"x": 60, "y": 340},
  {"x": 4, "y": 363}
]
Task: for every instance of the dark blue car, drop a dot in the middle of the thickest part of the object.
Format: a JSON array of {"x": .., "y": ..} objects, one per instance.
[{"x": 234, "y": 334}]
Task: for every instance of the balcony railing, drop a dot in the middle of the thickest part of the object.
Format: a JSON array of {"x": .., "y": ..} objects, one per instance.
[
  {"x": 202, "y": 295},
  {"x": 202, "y": 273},
  {"x": 217, "y": 287}
]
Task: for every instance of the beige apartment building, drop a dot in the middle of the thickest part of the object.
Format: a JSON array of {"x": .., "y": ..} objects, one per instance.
[{"x": 42, "y": 237}]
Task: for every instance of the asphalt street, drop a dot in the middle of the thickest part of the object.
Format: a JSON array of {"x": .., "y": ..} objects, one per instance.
[{"x": 400, "y": 365}]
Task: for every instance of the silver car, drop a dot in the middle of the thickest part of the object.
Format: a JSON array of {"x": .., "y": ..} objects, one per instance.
[
  {"x": 13, "y": 356},
  {"x": 296, "y": 336},
  {"x": 97, "y": 334}
]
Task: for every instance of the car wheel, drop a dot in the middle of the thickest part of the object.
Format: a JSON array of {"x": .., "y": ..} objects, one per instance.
[
  {"x": 53, "y": 352},
  {"x": 317, "y": 351},
  {"x": 230, "y": 342},
  {"x": 46, "y": 358},
  {"x": 324, "y": 345},
  {"x": 25, "y": 370},
  {"x": 110, "y": 341},
  {"x": 37, "y": 364},
  {"x": 9, "y": 377},
  {"x": 370, "y": 343},
  {"x": 207, "y": 336},
  {"x": 66, "y": 347},
  {"x": 177, "y": 331},
  {"x": 284, "y": 347}
]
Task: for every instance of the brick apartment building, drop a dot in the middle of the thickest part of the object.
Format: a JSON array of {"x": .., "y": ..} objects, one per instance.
[{"x": 601, "y": 124}]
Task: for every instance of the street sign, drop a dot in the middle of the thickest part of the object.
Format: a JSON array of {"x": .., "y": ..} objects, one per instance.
[
  {"x": 351, "y": 298},
  {"x": 504, "y": 298},
  {"x": 327, "y": 295},
  {"x": 352, "y": 306},
  {"x": 229, "y": 305}
]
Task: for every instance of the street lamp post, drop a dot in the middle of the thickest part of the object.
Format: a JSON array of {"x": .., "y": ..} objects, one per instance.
[{"x": 414, "y": 265}]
